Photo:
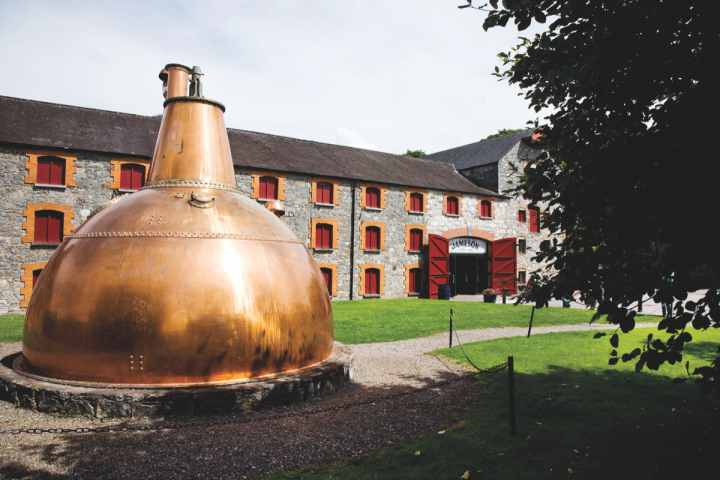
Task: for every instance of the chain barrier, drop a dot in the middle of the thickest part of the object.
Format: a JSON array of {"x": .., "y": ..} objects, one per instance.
[
  {"x": 236, "y": 421},
  {"x": 494, "y": 369}
]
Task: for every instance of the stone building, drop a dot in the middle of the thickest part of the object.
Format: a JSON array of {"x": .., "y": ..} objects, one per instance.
[{"x": 365, "y": 215}]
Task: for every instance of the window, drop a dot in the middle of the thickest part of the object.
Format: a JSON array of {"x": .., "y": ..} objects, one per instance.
[
  {"x": 372, "y": 238},
  {"x": 51, "y": 171},
  {"x": 327, "y": 275},
  {"x": 132, "y": 176},
  {"x": 415, "y": 280},
  {"x": 416, "y": 239},
  {"x": 534, "y": 220},
  {"x": 48, "y": 226},
  {"x": 522, "y": 218},
  {"x": 372, "y": 281},
  {"x": 452, "y": 205},
  {"x": 485, "y": 208},
  {"x": 324, "y": 193},
  {"x": 522, "y": 245},
  {"x": 323, "y": 235},
  {"x": 521, "y": 277},
  {"x": 372, "y": 197},
  {"x": 416, "y": 202},
  {"x": 36, "y": 275},
  {"x": 268, "y": 188}
]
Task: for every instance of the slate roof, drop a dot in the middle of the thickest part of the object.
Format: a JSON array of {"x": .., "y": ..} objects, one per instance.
[
  {"x": 40, "y": 124},
  {"x": 479, "y": 153}
]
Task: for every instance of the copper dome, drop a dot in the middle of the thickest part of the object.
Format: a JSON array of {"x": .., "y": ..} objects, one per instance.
[{"x": 186, "y": 282}]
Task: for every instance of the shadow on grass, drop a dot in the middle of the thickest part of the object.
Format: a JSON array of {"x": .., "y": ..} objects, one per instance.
[{"x": 249, "y": 449}]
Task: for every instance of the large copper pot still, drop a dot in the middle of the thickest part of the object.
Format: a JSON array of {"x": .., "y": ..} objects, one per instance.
[{"x": 186, "y": 282}]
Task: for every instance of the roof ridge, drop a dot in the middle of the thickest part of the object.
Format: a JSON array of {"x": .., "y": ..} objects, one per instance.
[
  {"x": 76, "y": 106},
  {"x": 483, "y": 140}
]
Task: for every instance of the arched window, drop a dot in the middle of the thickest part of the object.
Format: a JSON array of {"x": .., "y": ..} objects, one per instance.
[
  {"x": 323, "y": 235},
  {"x": 372, "y": 281},
  {"x": 452, "y": 206},
  {"x": 522, "y": 245},
  {"x": 485, "y": 208},
  {"x": 416, "y": 202},
  {"x": 51, "y": 171},
  {"x": 132, "y": 176},
  {"x": 416, "y": 239},
  {"x": 268, "y": 188},
  {"x": 372, "y": 197},
  {"x": 327, "y": 275},
  {"x": 48, "y": 226},
  {"x": 36, "y": 275},
  {"x": 522, "y": 217},
  {"x": 324, "y": 193},
  {"x": 415, "y": 280},
  {"x": 372, "y": 238},
  {"x": 534, "y": 220}
]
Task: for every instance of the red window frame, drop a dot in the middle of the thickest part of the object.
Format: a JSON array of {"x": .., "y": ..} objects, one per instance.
[
  {"x": 327, "y": 276},
  {"x": 132, "y": 176},
  {"x": 416, "y": 239},
  {"x": 415, "y": 280},
  {"x": 372, "y": 238},
  {"x": 48, "y": 226},
  {"x": 36, "y": 275},
  {"x": 485, "y": 208},
  {"x": 323, "y": 236},
  {"x": 372, "y": 197},
  {"x": 522, "y": 245},
  {"x": 522, "y": 216},
  {"x": 50, "y": 171},
  {"x": 534, "y": 220},
  {"x": 268, "y": 188},
  {"x": 452, "y": 205},
  {"x": 324, "y": 193},
  {"x": 416, "y": 202},
  {"x": 372, "y": 281}
]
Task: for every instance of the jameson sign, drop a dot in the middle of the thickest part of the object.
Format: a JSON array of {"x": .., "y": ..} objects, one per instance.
[{"x": 467, "y": 245}]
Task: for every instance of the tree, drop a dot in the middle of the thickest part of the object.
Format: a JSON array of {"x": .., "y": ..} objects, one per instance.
[
  {"x": 627, "y": 158},
  {"x": 414, "y": 153},
  {"x": 503, "y": 132}
]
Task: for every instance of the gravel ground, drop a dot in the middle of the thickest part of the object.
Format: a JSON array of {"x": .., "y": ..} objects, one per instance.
[{"x": 251, "y": 450}]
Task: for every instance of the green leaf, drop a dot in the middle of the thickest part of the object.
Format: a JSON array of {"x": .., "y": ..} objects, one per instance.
[
  {"x": 599, "y": 334},
  {"x": 539, "y": 16},
  {"x": 613, "y": 361},
  {"x": 464, "y": 6},
  {"x": 615, "y": 340},
  {"x": 613, "y": 353}
]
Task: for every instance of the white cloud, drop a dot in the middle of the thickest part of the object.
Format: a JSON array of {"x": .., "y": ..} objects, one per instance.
[{"x": 347, "y": 137}]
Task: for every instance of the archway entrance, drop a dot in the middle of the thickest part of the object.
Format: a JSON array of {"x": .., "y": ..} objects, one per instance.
[{"x": 468, "y": 265}]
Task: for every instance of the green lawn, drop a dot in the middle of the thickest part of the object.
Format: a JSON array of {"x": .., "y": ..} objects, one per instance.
[
  {"x": 372, "y": 321},
  {"x": 11, "y": 328},
  {"x": 574, "y": 412}
]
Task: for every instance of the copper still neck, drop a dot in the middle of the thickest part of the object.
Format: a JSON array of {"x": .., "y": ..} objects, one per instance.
[{"x": 192, "y": 143}]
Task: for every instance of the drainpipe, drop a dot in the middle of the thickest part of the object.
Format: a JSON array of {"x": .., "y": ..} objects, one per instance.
[{"x": 352, "y": 241}]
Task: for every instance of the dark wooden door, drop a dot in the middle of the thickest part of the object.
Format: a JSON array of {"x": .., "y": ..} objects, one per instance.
[
  {"x": 438, "y": 263},
  {"x": 504, "y": 264},
  {"x": 466, "y": 275}
]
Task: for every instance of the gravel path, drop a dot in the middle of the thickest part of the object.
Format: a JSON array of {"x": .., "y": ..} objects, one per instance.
[{"x": 247, "y": 450}]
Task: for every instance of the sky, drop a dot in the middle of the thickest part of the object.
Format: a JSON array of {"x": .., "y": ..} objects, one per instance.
[{"x": 376, "y": 74}]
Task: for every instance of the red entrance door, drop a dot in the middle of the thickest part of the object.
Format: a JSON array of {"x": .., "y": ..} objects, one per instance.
[
  {"x": 504, "y": 264},
  {"x": 438, "y": 263}
]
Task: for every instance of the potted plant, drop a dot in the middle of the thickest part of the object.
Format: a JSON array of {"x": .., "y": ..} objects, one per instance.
[{"x": 490, "y": 295}]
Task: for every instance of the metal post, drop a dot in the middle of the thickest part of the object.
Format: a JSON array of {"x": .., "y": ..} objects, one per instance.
[
  {"x": 532, "y": 314},
  {"x": 511, "y": 383},
  {"x": 451, "y": 320}
]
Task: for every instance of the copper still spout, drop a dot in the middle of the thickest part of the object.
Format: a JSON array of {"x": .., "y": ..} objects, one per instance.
[{"x": 185, "y": 282}]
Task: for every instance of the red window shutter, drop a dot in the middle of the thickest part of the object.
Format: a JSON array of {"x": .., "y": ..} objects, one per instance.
[
  {"x": 416, "y": 202},
  {"x": 415, "y": 280},
  {"x": 371, "y": 281},
  {"x": 55, "y": 227},
  {"x": 372, "y": 198},
  {"x": 372, "y": 238},
  {"x": 485, "y": 208},
  {"x": 521, "y": 216},
  {"x": 43, "y": 170},
  {"x": 41, "y": 226},
  {"x": 324, "y": 193},
  {"x": 439, "y": 259},
  {"x": 125, "y": 177},
  {"x": 138, "y": 177},
  {"x": 534, "y": 220},
  {"x": 36, "y": 275},
  {"x": 522, "y": 246},
  {"x": 415, "y": 239},
  {"x": 452, "y": 206},
  {"x": 323, "y": 236},
  {"x": 327, "y": 276},
  {"x": 57, "y": 171}
]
